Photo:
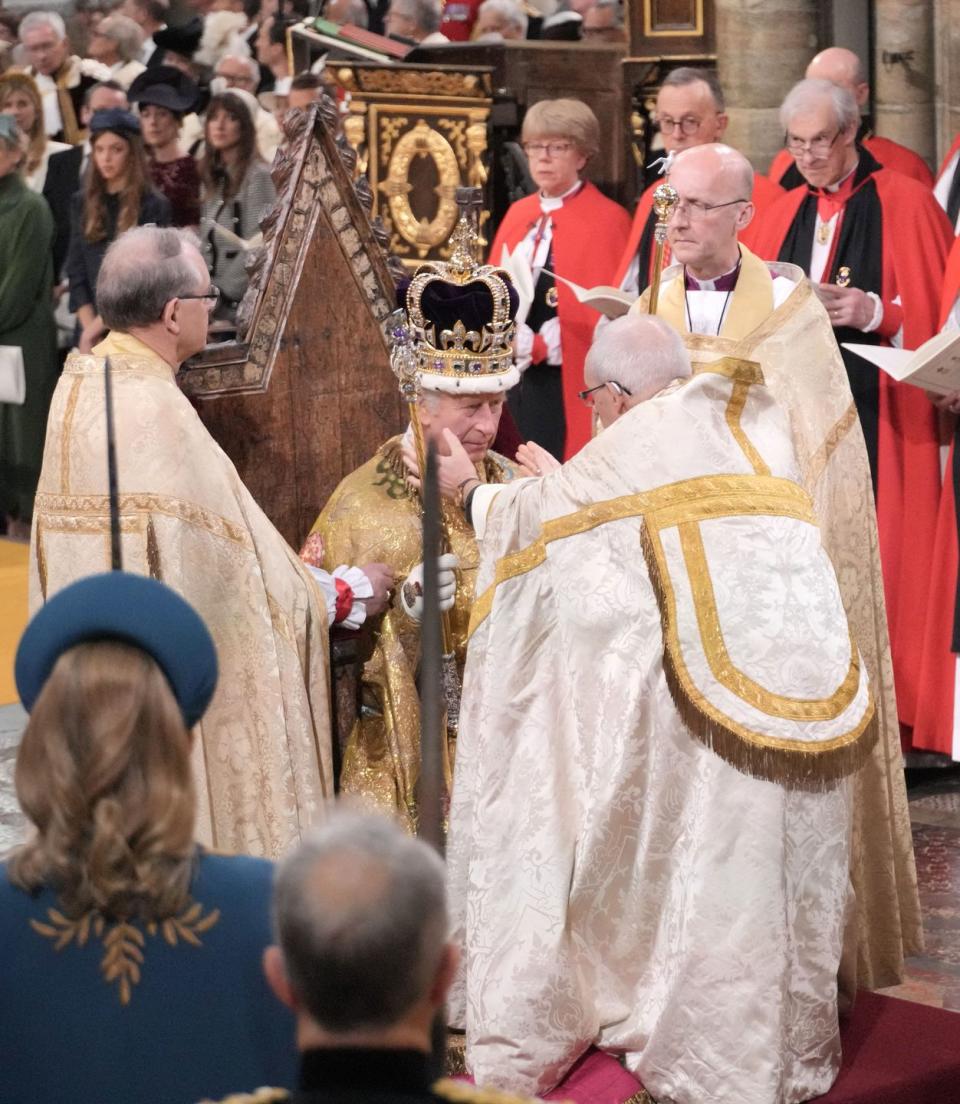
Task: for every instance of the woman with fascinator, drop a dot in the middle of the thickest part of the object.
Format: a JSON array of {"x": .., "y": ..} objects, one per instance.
[
  {"x": 117, "y": 195},
  {"x": 131, "y": 956}
]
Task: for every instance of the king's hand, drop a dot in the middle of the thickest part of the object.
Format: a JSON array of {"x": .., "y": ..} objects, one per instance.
[{"x": 454, "y": 466}]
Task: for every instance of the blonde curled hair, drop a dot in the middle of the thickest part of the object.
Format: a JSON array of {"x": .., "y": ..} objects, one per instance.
[
  {"x": 103, "y": 772},
  {"x": 11, "y": 83}
]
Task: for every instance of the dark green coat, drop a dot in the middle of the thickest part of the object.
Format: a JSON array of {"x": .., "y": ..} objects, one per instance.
[{"x": 26, "y": 319}]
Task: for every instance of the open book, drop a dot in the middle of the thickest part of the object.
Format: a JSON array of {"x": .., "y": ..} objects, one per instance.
[
  {"x": 935, "y": 366},
  {"x": 611, "y": 301}
]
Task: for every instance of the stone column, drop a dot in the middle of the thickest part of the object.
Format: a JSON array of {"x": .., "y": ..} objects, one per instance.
[
  {"x": 947, "y": 53},
  {"x": 903, "y": 89},
  {"x": 763, "y": 47}
]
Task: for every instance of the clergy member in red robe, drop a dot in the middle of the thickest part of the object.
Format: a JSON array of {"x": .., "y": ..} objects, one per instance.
[
  {"x": 937, "y": 723},
  {"x": 844, "y": 68},
  {"x": 946, "y": 191},
  {"x": 569, "y": 229},
  {"x": 690, "y": 112},
  {"x": 874, "y": 243}
]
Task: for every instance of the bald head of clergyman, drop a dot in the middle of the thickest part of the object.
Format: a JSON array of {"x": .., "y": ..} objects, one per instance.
[{"x": 714, "y": 183}]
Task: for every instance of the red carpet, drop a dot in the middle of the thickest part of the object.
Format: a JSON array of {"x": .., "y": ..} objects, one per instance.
[
  {"x": 894, "y": 1052},
  {"x": 898, "y": 1052}
]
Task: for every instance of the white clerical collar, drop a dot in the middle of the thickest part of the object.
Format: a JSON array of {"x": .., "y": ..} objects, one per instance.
[
  {"x": 711, "y": 285},
  {"x": 554, "y": 203},
  {"x": 843, "y": 179}
]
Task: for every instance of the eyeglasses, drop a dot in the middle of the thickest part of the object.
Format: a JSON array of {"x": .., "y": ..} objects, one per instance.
[
  {"x": 697, "y": 209},
  {"x": 213, "y": 295},
  {"x": 689, "y": 124},
  {"x": 551, "y": 149},
  {"x": 819, "y": 146},
  {"x": 616, "y": 388}
]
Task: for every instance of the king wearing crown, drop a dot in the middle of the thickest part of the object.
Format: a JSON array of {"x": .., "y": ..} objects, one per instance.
[{"x": 452, "y": 353}]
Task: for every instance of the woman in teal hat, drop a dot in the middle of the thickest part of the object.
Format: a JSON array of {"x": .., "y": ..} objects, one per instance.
[{"x": 131, "y": 957}]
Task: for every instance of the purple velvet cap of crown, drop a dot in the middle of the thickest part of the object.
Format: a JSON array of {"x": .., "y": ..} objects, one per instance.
[{"x": 444, "y": 303}]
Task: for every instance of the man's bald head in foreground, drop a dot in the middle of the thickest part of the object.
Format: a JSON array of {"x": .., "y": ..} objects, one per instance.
[{"x": 842, "y": 67}]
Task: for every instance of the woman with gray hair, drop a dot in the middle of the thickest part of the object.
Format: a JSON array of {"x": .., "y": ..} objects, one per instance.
[
  {"x": 566, "y": 231},
  {"x": 28, "y": 339},
  {"x": 117, "y": 42}
]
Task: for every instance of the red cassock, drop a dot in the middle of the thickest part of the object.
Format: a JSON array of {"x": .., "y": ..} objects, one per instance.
[
  {"x": 935, "y": 727},
  {"x": 915, "y": 237},
  {"x": 588, "y": 235},
  {"x": 765, "y": 192},
  {"x": 890, "y": 154}
]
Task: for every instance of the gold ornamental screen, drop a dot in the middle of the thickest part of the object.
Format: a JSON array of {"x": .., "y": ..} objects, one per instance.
[{"x": 419, "y": 132}]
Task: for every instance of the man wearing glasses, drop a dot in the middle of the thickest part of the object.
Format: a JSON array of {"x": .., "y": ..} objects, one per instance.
[
  {"x": 842, "y": 67},
  {"x": 874, "y": 243},
  {"x": 690, "y": 112},
  {"x": 263, "y": 765}
]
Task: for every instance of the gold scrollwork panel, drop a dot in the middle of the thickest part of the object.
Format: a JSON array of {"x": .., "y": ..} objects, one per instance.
[{"x": 415, "y": 199}]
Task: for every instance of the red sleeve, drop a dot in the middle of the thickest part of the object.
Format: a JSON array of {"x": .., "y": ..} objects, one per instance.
[
  {"x": 917, "y": 239},
  {"x": 640, "y": 216},
  {"x": 892, "y": 155},
  {"x": 779, "y": 165}
]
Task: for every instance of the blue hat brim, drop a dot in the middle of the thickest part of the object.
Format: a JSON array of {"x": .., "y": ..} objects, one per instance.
[{"x": 136, "y": 610}]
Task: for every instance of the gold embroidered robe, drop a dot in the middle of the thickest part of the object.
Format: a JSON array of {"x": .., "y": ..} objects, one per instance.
[
  {"x": 373, "y": 516},
  {"x": 797, "y": 350},
  {"x": 262, "y": 755}
]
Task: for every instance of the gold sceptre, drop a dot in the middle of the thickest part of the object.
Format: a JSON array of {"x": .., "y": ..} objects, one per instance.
[{"x": 665, "y": 198}]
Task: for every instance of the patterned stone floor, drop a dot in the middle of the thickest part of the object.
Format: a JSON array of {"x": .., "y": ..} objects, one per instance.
[{"x": 932, "y": 978}]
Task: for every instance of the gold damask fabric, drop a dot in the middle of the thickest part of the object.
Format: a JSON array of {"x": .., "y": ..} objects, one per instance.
[
  {"x": 373, "y": 516},
  {"x": 800, "y": 359},
  {"x": 262, "y": 753}
]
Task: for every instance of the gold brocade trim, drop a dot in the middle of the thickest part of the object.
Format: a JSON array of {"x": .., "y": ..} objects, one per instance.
[
  {"x": 41, "y": 558},
  {"x": 642, "y": 1097},
  {"x": 696, "y": 499},
  {"x": 124, "y": 943},
  {"x": 461, "y": 1092},
  {"x": 734, "y": 410},
  {"x": 809, "y": 766},
  {"x": 68, "y": 513},
  {"x": 65, "y": 433},
  {"x": 91, "y": 364},
  {"x": 733, "y": 368},
  {"x": 820, "y": 459},
  {"x": 743, "y": 347},
  {"x": 281, "y": 622},
  {"x": 721, "y": 665}
]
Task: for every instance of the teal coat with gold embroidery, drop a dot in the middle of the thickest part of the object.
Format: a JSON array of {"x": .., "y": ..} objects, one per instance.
[{"x": 113, "y": 1014}]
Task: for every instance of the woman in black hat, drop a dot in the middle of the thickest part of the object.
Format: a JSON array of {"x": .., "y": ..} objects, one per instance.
[
  {"x": 130, "y": 956},
  {"x": 163, "y": 96},
  {"x": 117, "y": 195}
]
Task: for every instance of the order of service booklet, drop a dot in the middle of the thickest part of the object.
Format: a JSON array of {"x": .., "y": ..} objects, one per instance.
[{"x": 935, "y": 366}]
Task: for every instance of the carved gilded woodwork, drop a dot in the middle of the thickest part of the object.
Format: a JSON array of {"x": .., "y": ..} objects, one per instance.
[
  {"x": 306, "y": 394},
  {"x": 418, "y": 133}
]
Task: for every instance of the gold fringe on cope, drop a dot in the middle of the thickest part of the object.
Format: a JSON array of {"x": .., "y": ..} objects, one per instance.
[{"x": 803, "y": 767}]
